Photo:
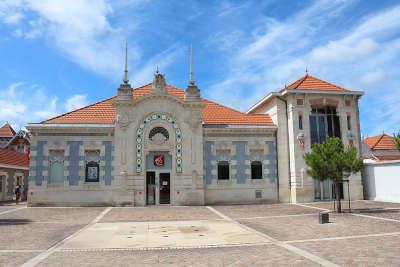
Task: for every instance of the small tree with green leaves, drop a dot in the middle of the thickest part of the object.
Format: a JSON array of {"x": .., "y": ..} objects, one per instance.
[
  {"x": 331, "y": 160},
  {"x": 396, "y": 138}
]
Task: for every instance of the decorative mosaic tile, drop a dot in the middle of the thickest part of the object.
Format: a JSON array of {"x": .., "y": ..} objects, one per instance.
[{"x": 178, "y": 139}]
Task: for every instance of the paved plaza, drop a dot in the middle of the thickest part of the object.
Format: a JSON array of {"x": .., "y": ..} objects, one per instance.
[{"x": 237, "y": 235}]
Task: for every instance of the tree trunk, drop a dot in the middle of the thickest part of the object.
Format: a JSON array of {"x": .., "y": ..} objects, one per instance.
[{"x": 337, "y": 191}]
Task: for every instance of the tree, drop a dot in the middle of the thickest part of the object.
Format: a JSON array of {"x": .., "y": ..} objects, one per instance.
[
  {"x": 330, "y": 160},
  {"x": 396, "y": 138}
]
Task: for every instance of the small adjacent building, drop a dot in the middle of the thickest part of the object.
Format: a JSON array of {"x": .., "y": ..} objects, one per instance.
[
  {"x": 381, "y": 172},
  {"x": 14, "y": 171},
  {"x": 158, "y": 144},
  {"x": 6, "y": 134},
  {"x": 14, "y": 162}
]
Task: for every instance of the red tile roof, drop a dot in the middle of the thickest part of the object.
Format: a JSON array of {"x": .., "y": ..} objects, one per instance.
[
  {"x": 11, "y": 157},
  {"x": 382, "y": 158},
  {"x": 6, "y": 130},
  {"x": 213, "y": 113},
  {"x": 308, "y": 82},
  {"x": 382, "y": 141}
]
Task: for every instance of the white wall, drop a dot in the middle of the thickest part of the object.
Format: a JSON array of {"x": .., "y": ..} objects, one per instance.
[{"x": 382, "y": 181}]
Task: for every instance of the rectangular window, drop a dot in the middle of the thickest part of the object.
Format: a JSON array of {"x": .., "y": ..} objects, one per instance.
[
  {"x": 299, "y": 102},
  {"x": 347, "y": 103},
  {"x": 324, "y": 122},
  {"x": 1, "y": 184},
  {"x": 300, "y": 122},
  {"x": 92, "y": 158},
  {"x": 348, "y": 122},
  {"x": 256, "y": 170},
  {"x": 223, "y": 170},
  {"x": 56, "y": 173}
]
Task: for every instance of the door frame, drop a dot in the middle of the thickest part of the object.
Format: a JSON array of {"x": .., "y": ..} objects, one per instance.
[{"x": 157, "y": 187}]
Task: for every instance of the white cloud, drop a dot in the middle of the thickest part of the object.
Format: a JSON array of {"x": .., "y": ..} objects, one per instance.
[
  {"x": 80, "y": 30},
  {"x": 75, "y": 102},
  {"x": 372, "y": 77},
  {"x": 363, "y": 57},
  {"x": 344, "y": 51},
  {"x": 22, "y": 103}
]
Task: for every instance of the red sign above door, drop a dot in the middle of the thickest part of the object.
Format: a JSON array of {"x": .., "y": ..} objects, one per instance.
[{"x": 158, "y": 160}]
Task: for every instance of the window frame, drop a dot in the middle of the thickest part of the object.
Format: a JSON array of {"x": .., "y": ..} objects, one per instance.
[
  {"x": 301, "y": 121},
  {"x": 91, "y": 164},
  {"x": 348, "y": 118},
  {"x": 225, "y": 164},
  {"x": 256, "y": 163}
]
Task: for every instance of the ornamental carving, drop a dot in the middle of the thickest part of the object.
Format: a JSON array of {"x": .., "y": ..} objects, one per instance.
[
  {"x": 123, "y": 120},
  {"x": 161, "y": 139}
]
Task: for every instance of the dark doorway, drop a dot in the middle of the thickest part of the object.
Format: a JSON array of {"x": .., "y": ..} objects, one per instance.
[
  {"x": 164, "y": 188},
  {"x": 150, "y": 188}
]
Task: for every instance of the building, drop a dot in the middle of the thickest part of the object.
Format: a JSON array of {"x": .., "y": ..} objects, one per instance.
[
  {"x": 14, "y": 170},
  {"x": 381, "y": 168},
  {"x": 6, "y": 134},
  {"x": 14, "y": 162},
  {"x": 158, "y": 144},
  {"x": 380, "y": 148}
]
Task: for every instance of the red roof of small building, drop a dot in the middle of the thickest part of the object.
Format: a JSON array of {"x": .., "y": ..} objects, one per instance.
[
  {"x": 6, "y": 130},
  {"x": 384, "y": 158},
  {"x": 103, "y": 112},
  {"x": 11, "y": 157},
  {"x": 382, "y": 141},
  {"x": 308, "y": 82}
]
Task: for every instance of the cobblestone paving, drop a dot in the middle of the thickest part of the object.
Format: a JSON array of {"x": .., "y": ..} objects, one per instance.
[
  {"x": 34, "y": 236},
  {"x": 369, "y": 251},
  {"x": 357, "y": 205},
  {"x": 41, "y": 228},
  {"x": 395, "y": 215},
  {"x": 308, "y": 227},
  {"x": 161, "y": 213},
  {"x": 12, "y": 259},
  {"x": 245, "y": 211},
  {"x": 9, "y": 206},
  {"x": 61, "y": 215},
  {"x": 267, "y": 255}
]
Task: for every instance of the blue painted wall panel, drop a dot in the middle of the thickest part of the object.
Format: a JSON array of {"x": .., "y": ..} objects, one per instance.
[{"x": 73, "y": 167}]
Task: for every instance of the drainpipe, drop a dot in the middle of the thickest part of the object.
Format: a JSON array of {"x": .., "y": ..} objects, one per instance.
[
  {"x": 288, "y": 150},
  {"x": 277, "y": 169}
]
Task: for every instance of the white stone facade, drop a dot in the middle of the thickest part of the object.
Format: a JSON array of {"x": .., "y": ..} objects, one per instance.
[{"x": 164, "y": 126}]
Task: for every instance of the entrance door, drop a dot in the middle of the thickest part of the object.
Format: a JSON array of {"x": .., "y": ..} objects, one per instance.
[
  {"x": 150, "y": 188},
  {"x": 164, "y": 188}
]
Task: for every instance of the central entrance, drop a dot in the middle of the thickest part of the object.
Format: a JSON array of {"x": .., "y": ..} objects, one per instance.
[
  {"x": 158, "y": 177},
  {"x": 158, "y": 188}
]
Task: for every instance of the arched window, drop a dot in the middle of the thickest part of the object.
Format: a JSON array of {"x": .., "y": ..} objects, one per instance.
[{"x": 158, "y": 130}]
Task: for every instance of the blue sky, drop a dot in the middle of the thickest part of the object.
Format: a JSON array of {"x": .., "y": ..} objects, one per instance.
[{"x": 57, "y": 55}]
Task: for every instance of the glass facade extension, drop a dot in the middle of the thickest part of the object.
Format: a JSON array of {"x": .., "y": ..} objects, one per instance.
[{"x": 324, "y": 123}]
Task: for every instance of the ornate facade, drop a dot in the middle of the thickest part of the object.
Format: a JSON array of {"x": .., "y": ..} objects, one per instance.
[{"x": 158, "y": 144}]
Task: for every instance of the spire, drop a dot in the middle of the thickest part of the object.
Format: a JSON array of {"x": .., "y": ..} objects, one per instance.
[
  {"x": 125, "y": 89},
  {"x": 126, "y": 80},
  {"x": 191, "y": 74},
  {"x": 192, "y": 93}
]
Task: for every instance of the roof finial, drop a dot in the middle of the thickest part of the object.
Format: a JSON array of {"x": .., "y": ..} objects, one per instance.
[
  {"x": 191, "y": 74},
  {"x": 157, "y": 71},
  {"x": 306, "y": 71},
  {"x": 126, "y": 80}
]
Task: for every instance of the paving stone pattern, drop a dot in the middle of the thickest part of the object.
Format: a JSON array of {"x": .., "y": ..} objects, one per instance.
[{"x": 41, "y": 228}]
